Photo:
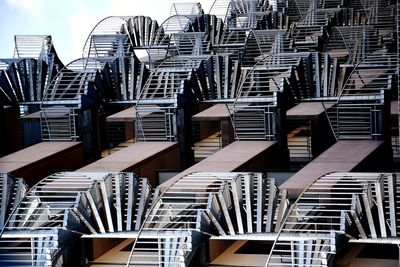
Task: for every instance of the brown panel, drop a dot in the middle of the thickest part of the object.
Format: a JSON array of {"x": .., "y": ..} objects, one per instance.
[
  {"x": 238, "y": 156},
  {"x": 343, "y": 156},
  {"x": 40, "y": 160},
  {"x": 143, "y": 158},
  {"x": 307, "y": 110}
]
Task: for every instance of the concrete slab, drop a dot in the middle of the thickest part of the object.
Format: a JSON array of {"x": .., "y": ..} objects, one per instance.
[
  {"x": 36, "y": 115},
  {"x": 215, "y": 113},
  {"x": 307, "y": 110},
  {"x": 238, "y": 156},
  {"x": 38, "y": 161},
  {"x": 10, "y": 167},
  {"x": 127, "y": 115},
  {"x": 39, "y": 151},
  {"x": 344, "y": 156},
  {"x": 143, "y": 158},
  {"x": 347, "y": 151}
]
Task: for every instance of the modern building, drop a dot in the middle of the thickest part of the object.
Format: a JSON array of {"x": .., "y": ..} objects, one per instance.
[{"x": 258, "y": 133}]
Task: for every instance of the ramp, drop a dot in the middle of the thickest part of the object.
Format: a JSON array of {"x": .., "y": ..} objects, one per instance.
[
  {"x": 38, "y": 161},
  {"x": 238, "y": 156},
  {"x": 343, "y": 156},
  {"x": 143, "y": 158}
]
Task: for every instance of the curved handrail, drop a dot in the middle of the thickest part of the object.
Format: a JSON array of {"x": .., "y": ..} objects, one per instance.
[
  {"x": 252, "y": 32},
  {"x": 150, "y": 210},
  {"x": 161, "y": 29},
  {"x": 287, "y": 217},
  {"x": 351, "y": 73},
  {"x": 265, "y": 57},
  {"x": 360, "y": 184},
  {"x": 124, "y": 24},
  {"x": 17, "y": 205},
  {"x": 365, "y": 10},
  {"x": 344, "y": 42},
  {"x": 85, "y": 62},
  {"x": 298, "y": 7},
  {"x": 87, "y": 42},
  {"x": 161, "y": 191},
  {"x": 229, "y": 10},
  {"x": 166, "y": 21},
  {"x": 214, "y": 4}
]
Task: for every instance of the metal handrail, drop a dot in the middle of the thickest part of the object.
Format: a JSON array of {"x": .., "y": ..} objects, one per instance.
[
  {"x": 150, "y": 210},
  {"x": 329, "y": 121}
]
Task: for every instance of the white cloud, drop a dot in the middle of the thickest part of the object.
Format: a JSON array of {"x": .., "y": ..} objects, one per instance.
[
  {"x": 80, "y": 26},
  {"x": 31, "y": 7}
]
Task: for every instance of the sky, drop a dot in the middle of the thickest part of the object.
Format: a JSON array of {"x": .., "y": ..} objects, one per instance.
[{"x": 69, "y": 22}]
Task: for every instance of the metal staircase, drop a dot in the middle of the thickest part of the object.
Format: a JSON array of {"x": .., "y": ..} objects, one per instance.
[
  {"x": 70, "y": 92},
  {"x": 25, "y": 78},
  {"x": 182, "y": 215},
  {"x": 190, "y": 43},
  {"x": 155, "y": 123},
  {"x": 253, "y": 123},
  {"x": 157, "y": 116},
  {"x": 361, "y": 206},
  {"x": 59, "y": 124},
  {"x": 157, "y": 102},
  {"x": 41, "y": 225},
  {"x": 345, "y": 43},
  {"x": 255, "y": 110},
  {"x": 309, "y": 32},
  {"x": 357, "y": 113},
  {"x": 261, "y": 43},
  {"x": 162, "y": 249},
  {"x": 44, "y": 228}
]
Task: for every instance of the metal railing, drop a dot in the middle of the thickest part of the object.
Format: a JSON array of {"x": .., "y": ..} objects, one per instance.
[
  {"x": 155, "y": 123},
  {"x": 299, "y": 144},
  {"x": 59, "y": 124},
  {"x": 184, "y": 211},
  {"x": 204, "y": 146},
  {"x": 398, "y": 65},
  {"x": 337, "y": 204},
  {"x": 46, "y": 225},
  {"x": 363, "y": 92}
]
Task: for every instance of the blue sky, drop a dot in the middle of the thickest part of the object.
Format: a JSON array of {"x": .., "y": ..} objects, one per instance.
[{"x": 69, "y": 22}]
